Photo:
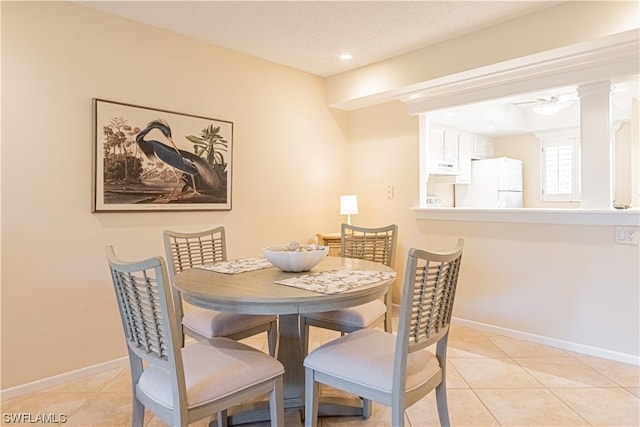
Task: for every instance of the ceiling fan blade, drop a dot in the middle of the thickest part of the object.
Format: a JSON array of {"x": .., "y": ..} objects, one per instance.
[
  {"x": 540, "y": 101},
  {"x": 526, "y": 102}
]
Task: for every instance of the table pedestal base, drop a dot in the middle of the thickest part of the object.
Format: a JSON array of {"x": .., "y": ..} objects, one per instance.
[
  {"x": 256, "y": 412},
  {"x": 259, "y": 412}
]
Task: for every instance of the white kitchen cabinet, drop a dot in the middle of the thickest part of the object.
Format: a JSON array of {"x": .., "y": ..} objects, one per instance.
[
  {"x": 436, "y": 144},
  {"x": 482, "y": 148},
  {"x": 443, "y": 151},
  {"x": 449, "y": 152},
  {"x": 465, "y": 151}
]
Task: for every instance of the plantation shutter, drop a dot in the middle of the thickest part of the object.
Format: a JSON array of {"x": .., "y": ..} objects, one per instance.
[{"x": 560, "y": 161}]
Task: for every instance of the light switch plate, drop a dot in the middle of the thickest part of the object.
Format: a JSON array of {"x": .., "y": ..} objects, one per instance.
[{"x": 627, "y": 235}]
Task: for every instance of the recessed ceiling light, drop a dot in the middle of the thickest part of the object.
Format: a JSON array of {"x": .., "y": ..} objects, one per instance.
[
  {"x": 346, "y": 56},
  {"x": 548, "y": 109}
]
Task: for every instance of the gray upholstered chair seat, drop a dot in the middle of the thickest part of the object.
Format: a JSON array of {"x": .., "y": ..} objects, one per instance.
[
  {"x": 186, "y": 250},
  {"x": 396, "y": 370},
  {"x": 211, "y": 372},
  {"x": 359, "y": 367},
  {"x": 210, "y": 323},
  {"x": 360, "y": 316}
]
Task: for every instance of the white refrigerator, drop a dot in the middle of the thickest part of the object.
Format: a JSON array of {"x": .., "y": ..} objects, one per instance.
[{"x": 495, "y": 183}]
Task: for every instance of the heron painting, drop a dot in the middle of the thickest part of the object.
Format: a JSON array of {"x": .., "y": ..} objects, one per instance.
[{"x": 150, "y": 159}]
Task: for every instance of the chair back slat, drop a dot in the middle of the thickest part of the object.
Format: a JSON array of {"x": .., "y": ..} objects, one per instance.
[
  {"x": 429, "y": 291},
  {"x": 432, "y": 301},
  {"x": 184, "y": 250},
  {"x": 141, "y": 291},
  {"x": 372, "y": 244}
]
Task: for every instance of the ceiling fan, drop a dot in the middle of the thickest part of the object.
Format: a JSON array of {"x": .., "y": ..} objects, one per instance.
[
  {"x": 548, "y": 105},
  {"x": 544, "y": 100}
]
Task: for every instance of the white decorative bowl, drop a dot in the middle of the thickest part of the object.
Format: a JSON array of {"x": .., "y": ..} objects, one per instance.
[{"x": 295, "y": 261}]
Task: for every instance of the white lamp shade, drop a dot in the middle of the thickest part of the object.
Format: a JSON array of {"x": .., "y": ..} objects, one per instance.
[{"x": 348, "y": 205}]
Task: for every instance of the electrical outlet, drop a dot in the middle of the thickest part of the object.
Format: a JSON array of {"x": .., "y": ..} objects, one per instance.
[
  {"x": 627, "y": 235},
  {"x": 389, "y": 191}
]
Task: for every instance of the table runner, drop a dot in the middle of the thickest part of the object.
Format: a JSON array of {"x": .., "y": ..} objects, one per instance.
[
  {"x": 334, "y": 281},
  {"x": 237, "y": 265}
]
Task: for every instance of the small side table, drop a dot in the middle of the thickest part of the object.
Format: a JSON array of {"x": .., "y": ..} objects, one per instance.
[{"x": 332, "y": 240}]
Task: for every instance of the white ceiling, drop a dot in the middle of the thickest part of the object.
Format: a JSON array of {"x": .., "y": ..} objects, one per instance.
[
  {"x": 515, "y": 116},
  {"x": 310, "y": 36}
]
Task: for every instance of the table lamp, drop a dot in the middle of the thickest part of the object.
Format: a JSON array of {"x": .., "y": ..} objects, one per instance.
[{"x": 348, "y": 206}]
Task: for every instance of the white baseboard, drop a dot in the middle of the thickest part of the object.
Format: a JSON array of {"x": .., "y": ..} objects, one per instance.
[
  {"x": 552, "y": 342},
  {"x": 66, "y": 377}
]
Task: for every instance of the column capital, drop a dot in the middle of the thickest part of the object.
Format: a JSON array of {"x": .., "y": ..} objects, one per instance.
[{"x": 594, "y": 88}]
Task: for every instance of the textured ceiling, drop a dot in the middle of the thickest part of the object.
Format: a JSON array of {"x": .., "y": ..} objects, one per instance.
[{"x": 310, "y": 35}]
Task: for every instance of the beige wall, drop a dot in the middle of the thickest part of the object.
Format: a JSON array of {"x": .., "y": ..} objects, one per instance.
[
  {"x": 568, "y": 284},
  {"x": 293, "y": 158},
  {"x": 383, "y": 151},
  {"x": 58, "y": 307}
]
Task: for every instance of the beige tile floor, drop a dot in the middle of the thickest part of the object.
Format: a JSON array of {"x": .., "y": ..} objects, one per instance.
[{"x": 492, "y": 380}]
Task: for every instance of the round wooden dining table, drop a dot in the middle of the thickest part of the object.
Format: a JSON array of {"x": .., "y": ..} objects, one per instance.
[{"x": 255, "y": 292}]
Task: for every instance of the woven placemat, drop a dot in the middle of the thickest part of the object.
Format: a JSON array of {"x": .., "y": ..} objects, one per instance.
[
  {"x": 334, "y": 281},
  {"x": 237, "y": 266}
]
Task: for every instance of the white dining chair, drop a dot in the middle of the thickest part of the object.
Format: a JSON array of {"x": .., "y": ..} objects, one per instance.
[
  {"x": 183, "y": 384},
  {"x": 372, "y": 244},
  {"x": 395, "y": 370},
  {"x": 185, "y": 250}
]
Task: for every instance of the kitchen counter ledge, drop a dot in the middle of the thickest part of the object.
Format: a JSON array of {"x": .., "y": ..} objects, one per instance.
[{"x": 626, "y": 217}]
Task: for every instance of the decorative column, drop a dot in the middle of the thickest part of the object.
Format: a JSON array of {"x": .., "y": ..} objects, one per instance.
[{"x": 595, "y": 146}]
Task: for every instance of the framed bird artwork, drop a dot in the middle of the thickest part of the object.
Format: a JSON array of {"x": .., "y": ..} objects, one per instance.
[{"x": 147, "y": 159}]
